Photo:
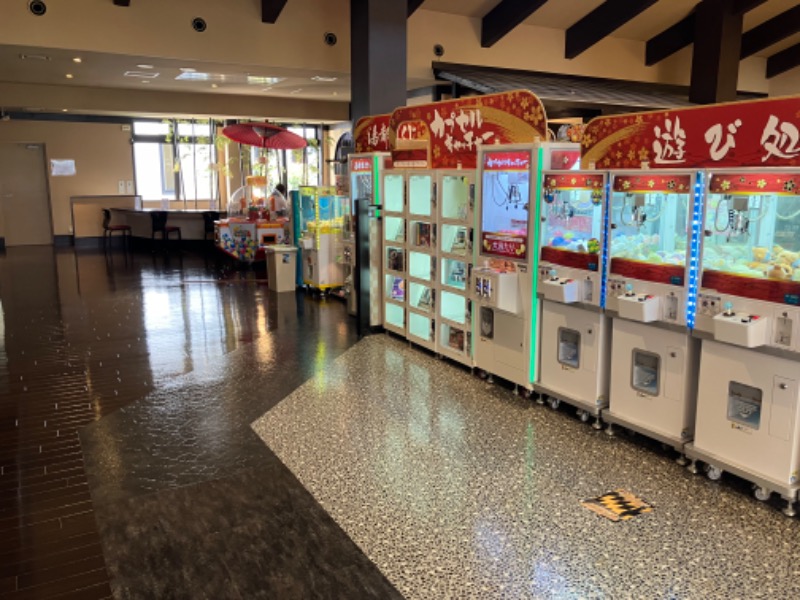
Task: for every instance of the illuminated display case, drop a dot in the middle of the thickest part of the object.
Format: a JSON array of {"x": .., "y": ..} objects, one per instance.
[
  {"x": 321, "y": 217},
  {"x": 393, "y": 184},
  {"x": 456, "y": 197},
  {"x": 421, "y": 243}
]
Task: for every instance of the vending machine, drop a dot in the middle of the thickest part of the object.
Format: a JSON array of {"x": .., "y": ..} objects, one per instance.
[
  {"x": 505, "y": 257},
  {"x": 365, "y": 175},
  {"x": 575, "y": 340},
  {"x": 654, "y": 230},
  {"x": 748, "y": 316}
]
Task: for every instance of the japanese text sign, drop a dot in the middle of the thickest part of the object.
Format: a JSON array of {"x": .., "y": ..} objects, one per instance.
[
  {"x": 453, "y": 131},
  {"x": 739, "y": 134},
  {"x": 372, "y": 134}
]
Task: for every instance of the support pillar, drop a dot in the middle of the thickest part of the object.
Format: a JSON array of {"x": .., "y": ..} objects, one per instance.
[
  {"x": 717, "y": 46},
  {"x": 377, "y": 56}
]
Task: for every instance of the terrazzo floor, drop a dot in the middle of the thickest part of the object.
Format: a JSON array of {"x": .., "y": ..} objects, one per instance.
[{"x": 456, "y": 489}]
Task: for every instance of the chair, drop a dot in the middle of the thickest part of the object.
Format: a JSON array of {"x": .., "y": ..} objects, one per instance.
[
  {"x": 209, "y": 217},
  {"x": 159, "y": 221},
  {"x": 109, "y": 230}
]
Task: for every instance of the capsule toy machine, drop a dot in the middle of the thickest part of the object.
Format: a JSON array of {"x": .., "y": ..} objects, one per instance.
[
  {"x": 575, "y": 338},
  {"x": 654, "y": 226},
  {"x": 365, "y": 175},
  {"x": 504, "y": 274},
  {"x": 748, "y": 422},
  {"x": 321, "y": 222}
]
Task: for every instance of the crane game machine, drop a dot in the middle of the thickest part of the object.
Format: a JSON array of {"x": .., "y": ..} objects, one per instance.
[
  {"x": 748, "y": 421},
  {"x": 653, "y": 225},
  {"x": 365, "y": 176},
  {"x": 575, "y": 340},
  {"x": 505, "y": 260}
]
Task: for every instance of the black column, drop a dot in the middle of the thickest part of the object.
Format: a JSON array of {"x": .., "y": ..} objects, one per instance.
[
  {"x": 377, "y": 56},
  {"x": 717, "y": 45}
]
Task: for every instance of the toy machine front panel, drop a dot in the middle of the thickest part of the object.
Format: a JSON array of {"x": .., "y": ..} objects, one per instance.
[
  {"x": 572, "y": 237},
  {"x": 394, "y": 259},
  {"x": 501, "y": 277},
  {"x": 322, "y": 219},
  {"x": 421, "y": 246},
  {"x": 750, "y": 281},
  {"x": 650, "y": 242},
  {"x": 747, "y": 413},
  {"x": 456, "y": 197}
]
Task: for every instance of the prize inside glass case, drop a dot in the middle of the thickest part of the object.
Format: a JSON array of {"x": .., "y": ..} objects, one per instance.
[
  {"x": 649, "y": 217},
  {"x": 455, "y": 197},
  {"x": 505, "y": 194},
  {"x": 420, "y": 190},
  {"x": 752, "y": 236},
  {"x": 393, "y": 192}
]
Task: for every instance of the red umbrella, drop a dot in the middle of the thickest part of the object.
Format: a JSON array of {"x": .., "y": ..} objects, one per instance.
[{"x": 264, "y": 135}]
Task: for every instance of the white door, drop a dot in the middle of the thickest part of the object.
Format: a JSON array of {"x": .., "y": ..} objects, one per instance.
[{"x": 24, "y": 198}]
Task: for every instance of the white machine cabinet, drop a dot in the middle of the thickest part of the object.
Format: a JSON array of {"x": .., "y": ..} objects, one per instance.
[
  {"x": 574, "y": 346},
  {"x": 749, "y": 322}
]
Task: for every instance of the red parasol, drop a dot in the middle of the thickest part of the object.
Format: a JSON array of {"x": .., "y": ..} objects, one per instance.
[{"x": 264, "y": 135}]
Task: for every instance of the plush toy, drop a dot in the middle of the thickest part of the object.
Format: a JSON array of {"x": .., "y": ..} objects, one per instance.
[
  {"x": 593, "y": 245},
  {"x": 761, "y": 255},
  {"x": 789, "y": 258},
  {"x": 782, "y": 272}
]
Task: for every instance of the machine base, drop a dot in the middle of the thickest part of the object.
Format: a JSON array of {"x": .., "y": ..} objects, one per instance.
[
  {"x": 787, "y": 492},
  {"x": 612, "y": 419},
  {"x": 588, "y": 407}
]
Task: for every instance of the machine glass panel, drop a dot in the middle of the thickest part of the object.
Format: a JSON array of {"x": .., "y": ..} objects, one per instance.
[{"x": 505, "y": 192}]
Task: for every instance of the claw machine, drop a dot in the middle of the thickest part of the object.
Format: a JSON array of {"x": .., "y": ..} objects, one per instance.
[
  {"x": 654, "y": 226},
  {"x": 748, "y": 317},
  {"x": 394, "y": 274},
  {"x": 321, "y": 218},
  {"x": 365, "y": 175},
  {"x": 575, "y": 339},
  {"x": 504, "y": 273},
  {"x": 456, "y": 197}
]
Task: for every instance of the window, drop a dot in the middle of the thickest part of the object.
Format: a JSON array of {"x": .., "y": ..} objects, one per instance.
[
  {"x": 175, "y": 161},
  {"x": 296, "y": 167}
]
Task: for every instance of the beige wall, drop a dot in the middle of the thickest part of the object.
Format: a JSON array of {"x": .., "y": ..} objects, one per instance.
[
  {"x": 102, "y": 154},
  {"x": 787, "y": 84}
]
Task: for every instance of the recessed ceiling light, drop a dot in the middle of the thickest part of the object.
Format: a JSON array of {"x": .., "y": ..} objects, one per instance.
[
  {"x": 69, "y": 75},
  {"x": 325, "y": 79},
  {"x": 267, "y": 89},
  {"x": 77, "y": 59},
  {"x": 145, "y": 81},
  {"x": 214, "y": 85},
  {"x": 64, "y": 110},
  {"x": 188, "y": 69},
  {"x": 141, "y": 74},
  {"x": 145, "y": 66},
  {"x": 297, "y": 91},
  {"x": 335, "y": 93},
  {"x": 34, "y": 57}
]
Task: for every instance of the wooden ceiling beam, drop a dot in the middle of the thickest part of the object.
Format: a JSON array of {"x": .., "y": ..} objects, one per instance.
[
  {"x": 504, "y": 17},
  {"x": 769, "y": 32},
  {"x": 783, "y": 61},
  {"x": 122, "y": 2},
  {"x": 669, "y": 41},
  {"x": 741, "y": 7},
  {"x": 413, "y": 5},
  {"x": 602, "y": 22},
  {"x": 271, "y": 10}
]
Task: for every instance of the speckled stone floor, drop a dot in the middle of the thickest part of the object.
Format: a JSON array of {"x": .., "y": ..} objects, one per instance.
[{"x": 457, "y": 489}]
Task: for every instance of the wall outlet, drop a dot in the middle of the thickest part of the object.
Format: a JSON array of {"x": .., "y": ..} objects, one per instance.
[
  {"x": 129, "y": 187},
  {"x": 121, "y": 187}
]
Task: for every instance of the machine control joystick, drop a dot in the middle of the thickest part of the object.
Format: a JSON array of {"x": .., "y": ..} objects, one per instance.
[
  {"x": 728, "y": 309},
  {"x": 553, "y": 275},
  {"x": 629, "y": 290}
]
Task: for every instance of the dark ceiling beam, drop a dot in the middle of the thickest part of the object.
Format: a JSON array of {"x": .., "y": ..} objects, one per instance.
[
  {"x": 122, "y": 2},
  {"x": 741, "y": 7},
  {"x": 669, "y": 41},
  {"x": 601, "y": 22},
  {"x": 504, "y": 17},
  {"x": 717, "y": 46},
  {"x": 413, "y": 5},
  {"x": 271, "y": 10},
  {"x": 776, "y": 29},
  {"x": 783, "y": 61}
]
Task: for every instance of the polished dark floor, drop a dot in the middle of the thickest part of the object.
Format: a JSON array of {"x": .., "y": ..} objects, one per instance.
[{"x": 128, "y": 465}]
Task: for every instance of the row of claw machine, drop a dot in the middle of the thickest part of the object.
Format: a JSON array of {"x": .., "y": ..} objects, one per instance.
[{"x": 664, "y": 302}]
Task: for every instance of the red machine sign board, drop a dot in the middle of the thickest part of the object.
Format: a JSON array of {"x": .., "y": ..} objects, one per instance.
[
  {"x": 739, "y": 134},
  {"x": 372, "y": 134},
  {"x": 448, "y": 134}
]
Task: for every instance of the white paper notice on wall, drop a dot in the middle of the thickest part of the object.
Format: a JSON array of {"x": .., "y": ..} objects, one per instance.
[{"x": 62, "y": 167}]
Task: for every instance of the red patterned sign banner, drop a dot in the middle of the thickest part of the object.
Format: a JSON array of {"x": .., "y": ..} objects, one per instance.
[
  {"x": 448, "y": 134},
  {"x": 738, "y": 134},
  {"x": 653, "y": 182},
  {"x": 755, "y": 183},
  {"x": 372, "y": 134},
  {"x": 574, "y": 181}
]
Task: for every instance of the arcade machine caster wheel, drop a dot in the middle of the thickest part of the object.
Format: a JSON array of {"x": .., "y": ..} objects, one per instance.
[
  {"x": 482, "y": 374},
  {"x": 762, "y": 494},
  {"x": 583, "y": 416},
  {"x": 789, "y": 510},
  {"x": 714, "y": 473},
  {"x": 528, "y": 394},
  {"x": 554, "y": 403}
]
